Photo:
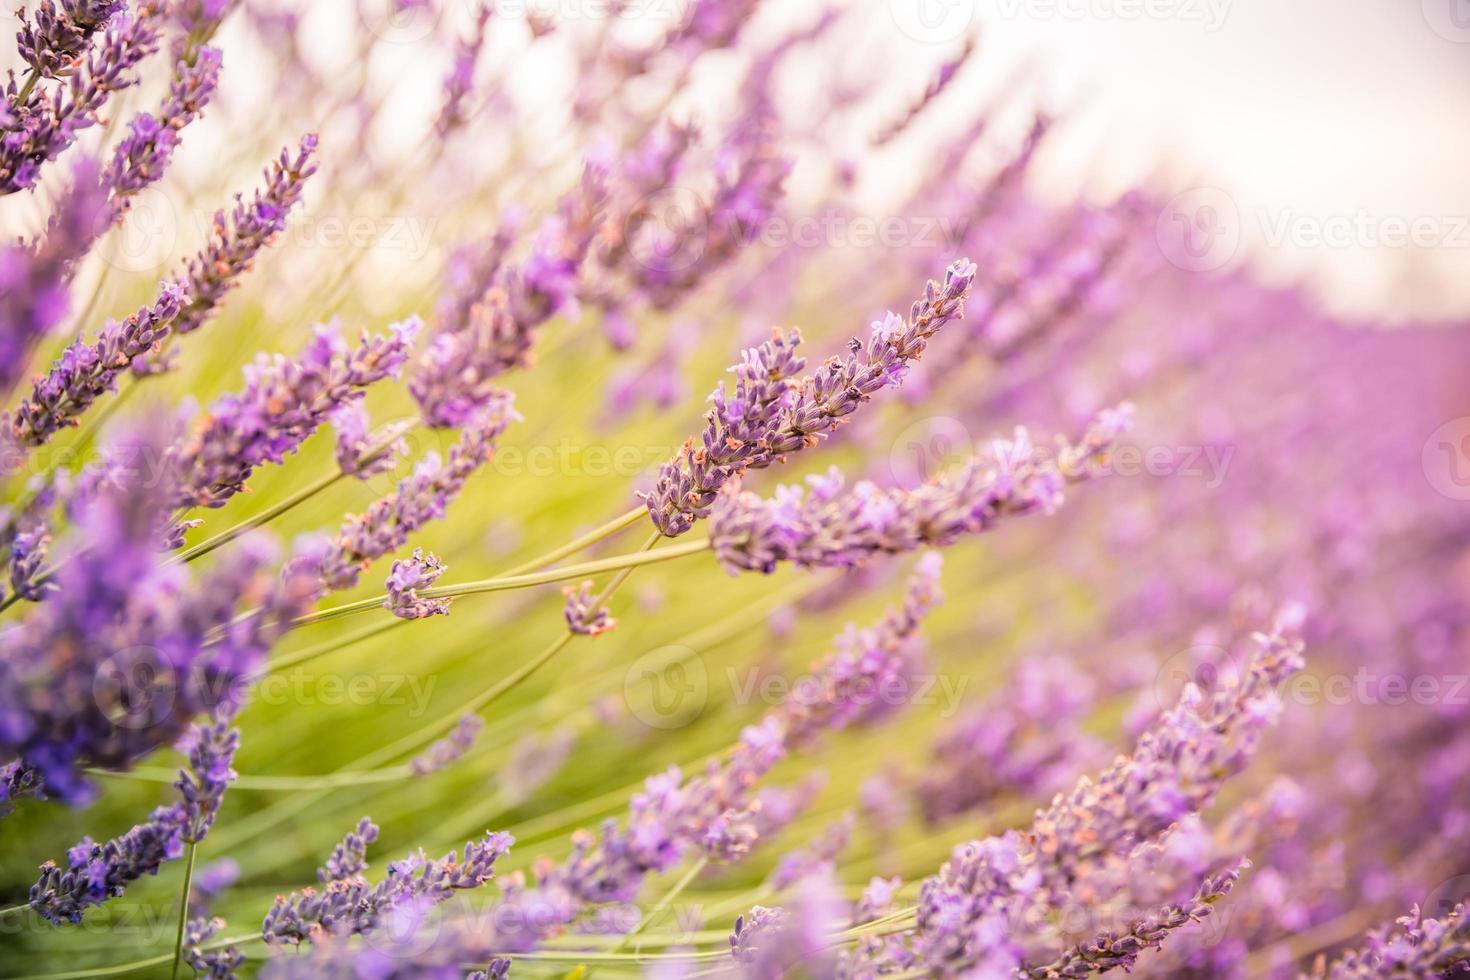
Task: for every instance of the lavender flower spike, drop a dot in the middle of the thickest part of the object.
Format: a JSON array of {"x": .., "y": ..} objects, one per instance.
[
  {"x": 52, "y": 41},
  {"x": 96, "y": 873},
  {"x": 832, "y": 526},
  {"x": 1418, "y": 947},
  {"x": 142, "y": 156},
  {"x": 582, "y": 616},
  {"x": 84, "y": 372},
  {"x": 239, "y": 238},
  {"x": 347, "y": 905},
  {"x": 406, "y": 578},
  {"x": 284, "y": 401},
  {"x": 767, "y": 415},
  {"x": 42, "y": 125}
]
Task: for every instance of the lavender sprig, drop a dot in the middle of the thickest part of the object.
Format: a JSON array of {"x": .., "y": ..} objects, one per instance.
[
  {"x": 449, "y": 749},
  {"x": 405, "y": 578},
  {"x": 348, "y": 905},
  {"x": 767, "y": 416},
  {"x": 284, "y": 401},
  {"x": 1412, "y": 947},
  {"x": 33, "y": 279},
  {"x": 84, "y": 372},
  {"x": 832, "y": 526},
  {"x": 51, "y": 41},
  {"x": 237, "y": 239},
  {"x": 43, "y": 125}
]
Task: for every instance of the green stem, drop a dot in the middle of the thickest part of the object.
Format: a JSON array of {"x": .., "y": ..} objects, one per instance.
[
  {"x": 264, "y": 517},
  {"x": 663, "y": 904},
  {"x": 184, "y": 907},
  {"x": 585, "y": 541},
  {"x": 508, "y": 582}
]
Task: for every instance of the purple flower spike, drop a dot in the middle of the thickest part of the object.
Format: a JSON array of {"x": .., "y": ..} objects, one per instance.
[
  {"x": 51, "y": 41},
  {"x": 349, "y": 858},
  {"x": 1412, "y": 946},
  {"x": 284, "y": 401},
  {"x": 405, "y": 579},
  {"x": 768, "y": 416},
  {"x": 348, "y": 905},
  {"x": 98, "y": 872},
  {"x": 582, "y": 616},
  {"x": 831, "y": 526},
  {"x": 238, "y": 238},
  {"x": 84, "y": 372},
  {"x": 44, "y": 124},
  {"x": 142, "y": 156}
]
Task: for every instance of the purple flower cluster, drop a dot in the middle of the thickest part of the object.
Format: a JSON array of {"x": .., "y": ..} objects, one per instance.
[
  {"x": 420, "y": 497},
  {"x": 405, "y": 578},
  {"x": 43, "y": 123},
  {"x": 284, "y": 401},
  {"x": 86, "y": 371},
  {"x": 769, "y": 415},
  {"x": 449, "y": 749},
  {"x": 98, "y": 872},
  {"x": 582, "y": 613},
  {"x": 347, "y": 905},
  {"x": 52, "y": 40},
  {"x": 1413, "y": 947},
  {"x": 836, "y": 527}
]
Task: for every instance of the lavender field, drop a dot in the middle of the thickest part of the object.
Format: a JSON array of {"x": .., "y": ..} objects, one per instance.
[{"x": 711, "y": 488}]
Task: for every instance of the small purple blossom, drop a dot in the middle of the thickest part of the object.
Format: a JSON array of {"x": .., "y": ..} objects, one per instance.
[
  {"x": 406, "y": 578},
  {"x": 449, "y": 749},
  {"x": 582, "y": 613}
]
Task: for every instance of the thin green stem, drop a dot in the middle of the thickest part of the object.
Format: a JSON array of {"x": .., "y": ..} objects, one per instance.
[
  {"x": 193, "y": 847},
  {"x": 136, "y": 965},
  {"x": 258, "y": 520},
  {"x": 585, "y": 541},
  {"x": 14, "y": 908},
  {"x": 663, "y": 904},
  {"x": 331, "y": 646},
  {"x": 505, "y": 583}
]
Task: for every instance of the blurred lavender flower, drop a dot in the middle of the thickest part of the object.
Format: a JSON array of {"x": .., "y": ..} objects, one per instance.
[
  {"x": 836, "y": 527},
  {"x": 214, "y": 964},
  {"x": 25, "y": 532},
  {"x": 768, "y": 416},
  {"x": 211, "y": 881},
  {"x": 127, "y": 651},
  {"x": 405, "y": 578},
  {"x": 211, "y": 748},
  {"x": 349, "y": 858},
  {"x": 33, "y": 279},
  {"x": 449, "y": 749}
]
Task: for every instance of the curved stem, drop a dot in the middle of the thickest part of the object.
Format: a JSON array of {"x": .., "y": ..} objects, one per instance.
[{"x": 508, "y": 582}]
